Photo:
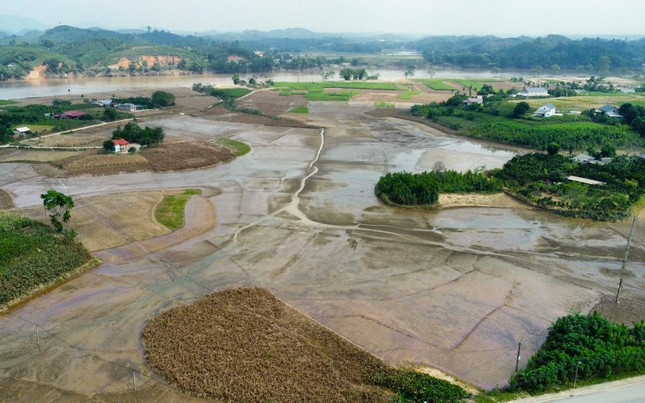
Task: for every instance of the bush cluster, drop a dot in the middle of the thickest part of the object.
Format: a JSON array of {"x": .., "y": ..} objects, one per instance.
[
  {"x": 406, "y": 188},
  {"x": 604, "y": 350}
]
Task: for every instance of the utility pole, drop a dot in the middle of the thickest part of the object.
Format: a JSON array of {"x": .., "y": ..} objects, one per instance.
[
  {"x": 134, "y": 379},
  {"x": 624, "y": 263},
  {"x": 517, "y": 361}
]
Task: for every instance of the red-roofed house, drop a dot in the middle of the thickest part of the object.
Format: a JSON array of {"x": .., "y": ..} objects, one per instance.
[
  {"x": 120, "y": 145},
  {"x": 73, "y": 114}
]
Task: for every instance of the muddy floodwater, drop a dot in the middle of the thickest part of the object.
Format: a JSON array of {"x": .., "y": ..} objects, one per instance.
[
  {"x": 90, "y": 85},
  {"x": 455, "y": 289}
]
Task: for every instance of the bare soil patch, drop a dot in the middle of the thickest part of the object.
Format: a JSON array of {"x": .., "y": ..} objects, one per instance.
[
  {"x": 627, "y": 311},
  {"x": 222, "y": 114},
  {"x": 270, "y": 102},
  {"x": 497, "y": 200},
  {"x": 246, "y": 345},
  {"x": 167, "y": 157},
  {"x": 71, "y": 140},
  {"x": 6, "y": 202}
]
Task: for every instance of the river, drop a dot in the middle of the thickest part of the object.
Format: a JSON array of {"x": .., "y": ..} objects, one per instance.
[{"x": 89, "y": 85}]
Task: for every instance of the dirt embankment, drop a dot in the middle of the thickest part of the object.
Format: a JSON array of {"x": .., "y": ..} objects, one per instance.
[
  {"x": 246, "y": 345},
  {"x": 167, "y": 157},
  {"x": 148, "y": 60},
  {"x": 37, "y": 73}
]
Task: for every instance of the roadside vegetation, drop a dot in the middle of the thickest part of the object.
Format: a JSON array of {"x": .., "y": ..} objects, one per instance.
[
  {"x": 170, "y": 212},
  {"x": 583, "y": 348},
  {"x": 237, "y": 146},
  {"x": 297, "y": 360},
  {"x": 33, "y": 254},
  {"x": 40, "y": 118},
  {"x": 540, "y": 179}
]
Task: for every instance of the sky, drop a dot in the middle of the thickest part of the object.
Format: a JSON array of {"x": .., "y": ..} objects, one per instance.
[{"x": 420, "y": 17}]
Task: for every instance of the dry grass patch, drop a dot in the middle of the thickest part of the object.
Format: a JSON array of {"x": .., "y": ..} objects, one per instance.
[
  {"x": 16, "y": 155},
  {"x": 167, "y": 157},
  {"x": 6, "y": 202},
  {"x": 246, "y": 345}
]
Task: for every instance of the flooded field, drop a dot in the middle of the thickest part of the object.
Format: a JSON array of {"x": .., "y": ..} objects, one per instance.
[{"x": 455, "y": 289}]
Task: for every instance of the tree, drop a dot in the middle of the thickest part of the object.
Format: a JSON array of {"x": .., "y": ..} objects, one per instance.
[
  {"x": 604, "y": 63},
  {"x": 109, "y": 114},
  {"x": 346, "y": 73},
  {"x": 520, "y": 109},
  {"x": 608, "y": 151},
  {"x": 555, "y": 69},
  {"x": 58, "y": 204},
  {"x": 236, "y": 79},
  {"x": 162, "y": 98},
  {"x": 552, "y": 148},
  {"x": 409, "y": 72},
  {"x": 431, "y": 72},
  {"x": 108, "y": 146}
]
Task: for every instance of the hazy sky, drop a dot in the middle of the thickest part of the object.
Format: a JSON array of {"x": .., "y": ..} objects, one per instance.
[{"x": 433, "y": 17}]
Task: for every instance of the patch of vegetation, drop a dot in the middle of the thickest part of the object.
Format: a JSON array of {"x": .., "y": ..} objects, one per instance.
[
  {"x": 229, "y": 93},
  {"x": 6, "y": 102},
  {"x": 299, "y": 109},
  {"x": 159, "y": 99},
  {"x": 436, "y": 84},
  {"x": 133, "y": 133},
  {"x": 33, "y": 254},
  {"x": 238, "y": 147},
  {"x": 589, "y": 345},
  {"x": 383, "y": 105},
  {"x": 418, "y": 387},
  {"x": 542, "y": 179},
  {"x": 170, "y": 212},
  {"x": 330, "y": 96},
  {"x": 408, "y": 94},
  {"x": 408, "y": 189}
]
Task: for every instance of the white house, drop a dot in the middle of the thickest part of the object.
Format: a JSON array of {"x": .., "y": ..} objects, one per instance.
[
  {"x": 479, "y": 99},
  {"x": 120, "y": 145},
  {"x": 545, "y": 111},
  {"x": 127, "y": 107},
  {"x": 533, "y": 92},
  {"x": 21, "y": 130},
  {"x": 609, "y": 110}
]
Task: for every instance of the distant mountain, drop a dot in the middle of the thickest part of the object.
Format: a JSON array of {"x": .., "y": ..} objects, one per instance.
[
  {"x": 14, "y": 24},
  {"x": 253, "y": 35},
  {"x": 66, "y": 33}
]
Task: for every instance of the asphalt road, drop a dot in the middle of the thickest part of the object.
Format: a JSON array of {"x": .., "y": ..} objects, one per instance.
[{"x": 624, "y": 391}]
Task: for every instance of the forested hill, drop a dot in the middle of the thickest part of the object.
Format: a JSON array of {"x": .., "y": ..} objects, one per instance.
[{"x": 588, "y": 54}]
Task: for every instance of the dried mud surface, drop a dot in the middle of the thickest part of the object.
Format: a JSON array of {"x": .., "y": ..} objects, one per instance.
[
  {"x": 246, "y": 345},
  {"x": 454, "y": 289}
]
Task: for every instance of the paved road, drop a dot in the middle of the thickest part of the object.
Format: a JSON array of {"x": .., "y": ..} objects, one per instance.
[{"x": 624, "y": 391}]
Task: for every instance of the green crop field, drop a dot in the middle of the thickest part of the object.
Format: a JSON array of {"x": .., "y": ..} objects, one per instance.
[
  {"x": 33, "y": 254},
  {"x": 319, "y": 86},
  {"x": 239, "y": 147},
  {"x": 170, "y": 212},
  {"x": 436, "y": 84},
  {"x": 299, "y": 109},
  {"x": 6, "y": 102}
]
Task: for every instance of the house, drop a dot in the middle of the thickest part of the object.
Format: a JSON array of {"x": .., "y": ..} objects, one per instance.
[
  {"x": 120, "y": 145},
  {"x": 104, "y": 102},
  {"x": 545, "y": 111},
  {"x": 585, "y": 180},
  {"x": 127, "y": 107},
  {"x": 626, "y": 90},
  {"x": 533, "y": 92},
  {"x": 609, "y": 110},
  {"x": 479, "y": 99},
  {"x": 72, "y": 114},
  {"x": 21, "y": 130}
]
